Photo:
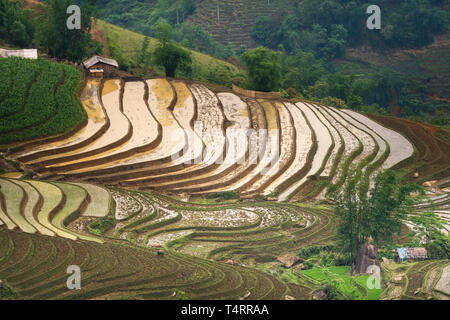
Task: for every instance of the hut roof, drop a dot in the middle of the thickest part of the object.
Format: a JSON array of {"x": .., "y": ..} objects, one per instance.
[
  {"x": 22, "y": 53},
  {"x": 97, "y": 59},
  {"x": 412, "y": 253}
]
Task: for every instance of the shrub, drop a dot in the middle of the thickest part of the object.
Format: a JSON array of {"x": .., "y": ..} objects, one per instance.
[
  {"x": 439, "y": 248},
  {"x": 333, "y": 102},
  {"x": 181, "y": 295},
  {"x": 309, "y": 251},
  {"x": 101, "y": 225},
  {"x": 226, "y": 195}
]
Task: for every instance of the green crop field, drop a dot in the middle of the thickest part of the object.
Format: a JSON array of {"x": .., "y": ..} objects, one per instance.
[{"x": 42, "y": 100}]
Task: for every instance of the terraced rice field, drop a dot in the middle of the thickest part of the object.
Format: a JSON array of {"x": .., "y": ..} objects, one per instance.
[
  {"x": 422, "y": 280},
  {"x": 176, "y": 137},
  {"x": 104, "y": 196}
]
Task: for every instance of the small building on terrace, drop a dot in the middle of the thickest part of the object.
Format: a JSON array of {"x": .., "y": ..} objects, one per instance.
[
  {"x": 98, "y": 66},
  {"x": 412, "y": 253}
]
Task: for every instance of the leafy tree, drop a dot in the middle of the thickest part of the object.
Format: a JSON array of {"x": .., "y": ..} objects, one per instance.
[
  {"x": 261, "y": 30},
  {"x": 439, "y": 248},
  {"x": 198, "y": 38},
  {"x": 264, "y": 69},
  {"x": 302, "y": 70},
  {"x": 169, "y": 54},
  {"x": 17, "y": 25},
  {"x": 144, "y": 54},
  {"x": 116, "y": 51},
  {"x": 377, "y": 214},
  {"x": 61, "y": 42}
]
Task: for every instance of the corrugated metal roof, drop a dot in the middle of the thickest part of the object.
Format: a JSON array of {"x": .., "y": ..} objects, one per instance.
[
  {"x": 412, "y": 253},
  {"x": 23, "y": 53},
  {"x": 97, "y": 59}
]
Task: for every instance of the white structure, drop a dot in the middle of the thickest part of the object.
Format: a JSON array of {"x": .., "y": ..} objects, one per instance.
[{"x": 23, "y": 53}]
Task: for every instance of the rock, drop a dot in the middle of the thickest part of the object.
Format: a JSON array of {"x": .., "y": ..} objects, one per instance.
[
  {"x": 289, "y": 298},
  {"x": 367, "y": 256},
  {"x": 231, "y": 262},
  {"x": 429, "y": 183},
  {"x": 289, "y": 259},
  {"x": 300, "y": 266},
  {"x": 320, "y": 294}
]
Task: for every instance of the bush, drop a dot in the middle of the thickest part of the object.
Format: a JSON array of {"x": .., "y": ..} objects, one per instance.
[
  {"x": 101, "y": 225},
  {"x": 329, "y": 258},
  {"x": 325, "y": 256},
  {"x": 333, "y": 102},
  {"x": 226, "y": 195},
  {"x": 308, "y": 252},
  {"x": 439, "y": 248}
]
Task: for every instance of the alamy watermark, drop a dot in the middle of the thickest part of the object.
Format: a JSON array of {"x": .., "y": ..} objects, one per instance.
[
  {"x": 74, "y": 20},
  {"x": 374, "y": 21},
  {"x": 74, "y": 280},
  {"x": 374, "y": 280}
]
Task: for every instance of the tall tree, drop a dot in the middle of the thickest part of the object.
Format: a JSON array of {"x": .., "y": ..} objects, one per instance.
[
  {"x": 263, "y": 68},
  {"x": 58, "y": 39},
  {"x": 169, "y": 54},
  {"x": 17, "y": 25},
  {"x": 378, "y": 214}
]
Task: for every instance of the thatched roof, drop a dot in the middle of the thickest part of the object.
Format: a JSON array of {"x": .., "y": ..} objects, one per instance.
[
  {"x": 97, "y": 59},
  {"x": 23, "y": 53}
]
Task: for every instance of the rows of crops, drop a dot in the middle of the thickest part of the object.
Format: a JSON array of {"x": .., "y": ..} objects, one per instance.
[
  {"x": 43, "y": 100},
  {"x": 22, "y": 75}
]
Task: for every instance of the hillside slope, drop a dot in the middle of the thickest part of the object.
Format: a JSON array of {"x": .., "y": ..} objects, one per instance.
[{"x": 231, "y": 21}]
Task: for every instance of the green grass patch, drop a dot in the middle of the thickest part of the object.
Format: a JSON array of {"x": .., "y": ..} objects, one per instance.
[{"x": 351, "y": 287}]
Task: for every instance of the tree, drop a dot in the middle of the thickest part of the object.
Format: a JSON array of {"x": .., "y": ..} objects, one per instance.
[
  {"x": 115, "y": 50},
  {"x": 302, "y": 70},
  {"x": 378, "y": 214},
  {"x": 17, "y": 25},
  {"x": 61, "y": 42},
  {"x": 169, "y": 54},
  {"x": 264, "y": 69},
  {"x": 144, "y": 54},
  {"x": 261, "y": 30}
]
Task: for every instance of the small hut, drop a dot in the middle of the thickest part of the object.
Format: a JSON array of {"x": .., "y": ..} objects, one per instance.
[
  {"x": 412, "y": 253},
  {"x": 98, "y": 66}
]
